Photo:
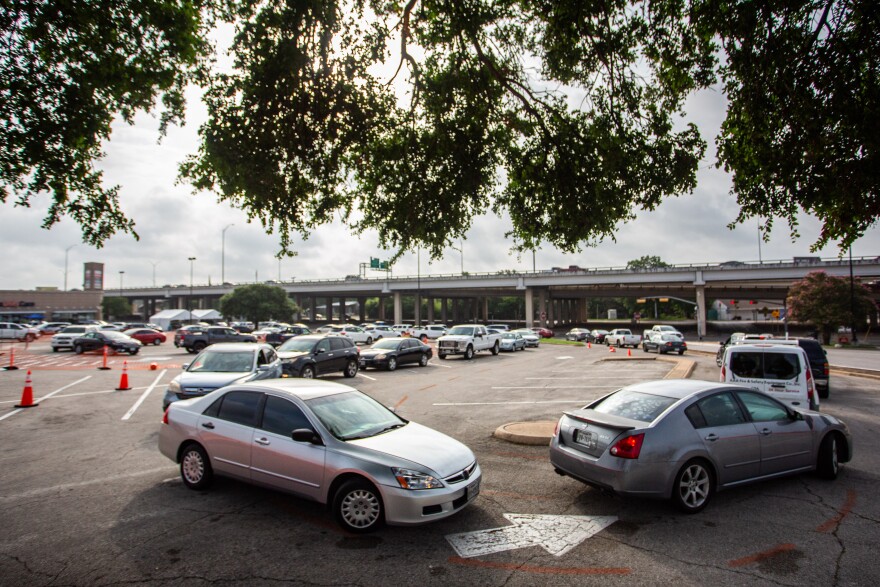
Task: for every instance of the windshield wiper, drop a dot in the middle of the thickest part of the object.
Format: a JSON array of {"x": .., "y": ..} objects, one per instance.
[{"x": 382, "y": 431}]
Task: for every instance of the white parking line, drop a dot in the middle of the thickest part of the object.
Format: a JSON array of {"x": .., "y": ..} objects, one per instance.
[
  {"x": 552, "y": 401},
  {"x": 366, "y": 376},
  {"x": 68, "y": 486},
  {"x": 38, "y": 400},
  {"x": 558, "y": 387},
  {"x": 144, "y": 395}
]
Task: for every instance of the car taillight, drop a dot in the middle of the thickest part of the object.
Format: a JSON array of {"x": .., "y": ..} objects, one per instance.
[
  {"x": 669, "y": 344},
  {"x": 556, "y": 429},
  {"x": 826, "y": 369},
  {"x": 723, "y": 372},
  {"x": 628, "y": 447},
  {"x": 165, "y": 415}
]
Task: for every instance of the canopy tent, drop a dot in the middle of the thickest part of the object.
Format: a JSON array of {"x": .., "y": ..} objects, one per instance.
[
  {"x": 165, "y": 317},
  {"x": 207, "y": 315}
]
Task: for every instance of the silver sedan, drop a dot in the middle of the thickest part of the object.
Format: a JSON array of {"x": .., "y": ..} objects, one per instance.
[
  {"x": 326, "y": 442},
  {"x": 685, "y": 439}
]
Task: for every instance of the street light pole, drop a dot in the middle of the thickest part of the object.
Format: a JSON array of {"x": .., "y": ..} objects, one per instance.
[
  {"x": 154, "y": 263},
  {"x": 189, "y": 299},
  {"x": 223, "y": 254},
  {"x": 852, "y": 300},
  {"x": 121, "y": 273},
  {"x": 66, "y": 252}
]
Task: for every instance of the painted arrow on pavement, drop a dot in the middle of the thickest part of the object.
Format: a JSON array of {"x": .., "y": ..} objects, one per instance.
[{"x": 556, "y": 534}]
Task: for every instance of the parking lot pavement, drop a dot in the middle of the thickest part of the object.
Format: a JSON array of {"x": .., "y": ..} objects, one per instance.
[{"x": 87, "y": 499}]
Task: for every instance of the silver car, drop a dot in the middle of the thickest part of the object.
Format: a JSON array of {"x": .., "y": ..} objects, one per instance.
[
  {"x": 222, "y": 364},
  {"x": 326, "y": 442},
  {"x": 685, "y": 439},
  {"x": 512, "y": 341},
  {"x": 531, "y": 337}
]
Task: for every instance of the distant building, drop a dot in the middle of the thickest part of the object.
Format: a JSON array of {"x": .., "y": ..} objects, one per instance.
[{"x": 53, "y": 305}]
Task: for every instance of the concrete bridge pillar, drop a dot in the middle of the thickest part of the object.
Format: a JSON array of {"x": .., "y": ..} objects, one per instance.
[
  {"x": 398, "y": 308},
  {"x": 530, "y": 307},
  {"x": 701, "y": 309}
]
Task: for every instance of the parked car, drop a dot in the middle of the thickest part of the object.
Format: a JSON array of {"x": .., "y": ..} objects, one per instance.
[
  {"x": 222, "y": 364},
  {"x": 357, "y": 334},
  {"x": 817, "y": 357},
  {"x": 181, "y": 332},
  {"x": 390, "y": 353},
  {"x": 664, "y": 343},
  {"x": 53, "y": 327},
  {"x": 113, "y": 340},
  {"x": 311, "y": 355},
  {"x": 146, "y": 335},
  {"x": 687, "y": 439},
  {"x": 512, "y": 341},
  {"x": 577, "y": 334},
  {"x": 279, "y": 336},
  {"x": 667, "y": 329},
  {"x": 782, "y": 371},
  {"x": 467, "y": 339},
  {"x": 326, "y": 442},
  {"x": 597, "y": 336},
  {"x": 18, "y": 332},
  {"x": 196, "y": 339},
  {"x": 498, "y": 327},
  {"x": 622, "y": 337},
  {"x": 424, "y": 333},
  {"x": 544, "y": 332},
  {"x": 64, "y": 339},
  {"x": 734, "y": 338},
  {"x": 531, "y": 337}
]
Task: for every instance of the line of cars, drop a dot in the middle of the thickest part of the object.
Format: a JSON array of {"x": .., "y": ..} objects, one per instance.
[{"x": 81, "y": 338}]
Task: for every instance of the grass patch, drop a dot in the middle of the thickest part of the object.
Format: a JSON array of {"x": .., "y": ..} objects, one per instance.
[{"x": 561, "y": 342}]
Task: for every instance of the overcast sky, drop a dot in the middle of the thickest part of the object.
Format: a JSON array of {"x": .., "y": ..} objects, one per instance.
[{"x": 174, "y": 225}]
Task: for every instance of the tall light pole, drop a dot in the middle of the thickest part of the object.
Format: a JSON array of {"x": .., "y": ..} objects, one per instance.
[
  {"x": 223, "y": 254},
  {"x": 760, "y": 260},
  {"x": 66, "y": 252},
  {"x": 460, "y": 249},
  {"x": 154, "y": 263},
  {"x": 852, "y": 300},
  {"x": 121, "y": 273},
  {"x": 189, "y": 300}
]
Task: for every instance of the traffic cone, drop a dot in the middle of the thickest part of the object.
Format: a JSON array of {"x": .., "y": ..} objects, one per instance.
[
  {"x": 123, "y": 381},
  {"x": 629, "y": 352},
  {"x": 11, "y": 366},
  {"x": 611, "y": 349},
  {"x": 589, "y": 345},
  {"x": 27, "y": 396},
  {"x": 104, "y": 366}
]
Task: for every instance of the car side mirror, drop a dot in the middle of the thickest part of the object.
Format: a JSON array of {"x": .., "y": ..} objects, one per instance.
[
  {"x": 263, "y": 367},
  {"x": 185, "y": 366},
  {"x": 795, "y": 416},
  {"x": 306, "y": 435}
]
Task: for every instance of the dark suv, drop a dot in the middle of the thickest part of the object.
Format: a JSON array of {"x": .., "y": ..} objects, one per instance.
[
  {"x": 818, "y": 364},
  {"x": 311, "y": 355}
]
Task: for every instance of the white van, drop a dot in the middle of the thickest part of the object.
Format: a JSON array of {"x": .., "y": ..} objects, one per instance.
[{"x": 782, "y": 371}]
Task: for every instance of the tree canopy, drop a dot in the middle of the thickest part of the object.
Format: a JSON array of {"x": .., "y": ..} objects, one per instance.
[
  {"x": 257, "y": 303},
  {"x": 561, "y": 114},
  {"x": 647, "y": 262},
  {"x": 829, "y": 302}
]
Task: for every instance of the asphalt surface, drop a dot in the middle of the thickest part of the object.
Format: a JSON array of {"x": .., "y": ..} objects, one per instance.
[{"x": 86, "y": 498}]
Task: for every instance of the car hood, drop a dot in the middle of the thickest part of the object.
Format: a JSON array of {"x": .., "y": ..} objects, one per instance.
[
  {"x": 287, "y": 355},
  {"x": 374, "y": 352},
  {"x": 457, "y": 337},
  {"x": 187, "y": 379},
  {"x": 422, "y": 445}
]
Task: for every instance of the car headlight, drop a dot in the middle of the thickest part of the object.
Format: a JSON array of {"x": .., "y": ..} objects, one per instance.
[
  {"x": 381, "y": 357},
  {"x": 174, "y": 386},
  {"x": 409, "y": 479}
]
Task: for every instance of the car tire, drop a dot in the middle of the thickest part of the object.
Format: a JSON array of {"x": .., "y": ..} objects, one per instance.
[
  {"x": 351, "y": 368},
  {"x": 195, "y": 467},
  {"x": 133, "y": 352},
  {"x": 645, "y": 348},
  {"x": 828, "y": 465},
  {"x": 495, "y": 348},
  {"x": 392, "y": 363},
  {"x": 693, "y": 486},
  {"x": 55, "y": 349},
  {"x": 680, "y": 353},
  {"x": 442, "y": 356},
  {"x": 358, "y": 507},
  {"x": 78, "y": 349},
  {"x": 423, "y": 362},
  {"x": 826, "y": 393},
  {"x": 157, "y": 342},
  {"x": 469, "y": 353},
  {"x": 199, "y": 346},
  {"x": 369, "y": 340},
  {"x": 308, "y": 372}
]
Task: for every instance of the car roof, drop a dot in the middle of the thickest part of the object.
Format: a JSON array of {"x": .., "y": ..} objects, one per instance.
[
  {"x": 230, "y": 347},
  {"x": 304, "y": 389},
  {"x": 677, "y": 388}
]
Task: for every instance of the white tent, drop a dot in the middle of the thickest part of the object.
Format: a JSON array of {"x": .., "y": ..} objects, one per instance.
[
  {"x": 165, "y": 317},
  {"x": 207, "y": 315}
]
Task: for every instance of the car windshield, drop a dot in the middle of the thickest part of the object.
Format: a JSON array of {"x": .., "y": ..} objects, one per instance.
[
  {"x": 298, "y": 345},
  {"x": 524, "y": 331},
  {"x": 112, "y": 334},
  {"x": 462, "y": 331},
  {"x": 353, "y": 415},
  {"x": 644, "y": 407},
  {"x": 223, "y": 362},
  {"x": 508, "y": 335},
  {"x": 387, "y": 344}
]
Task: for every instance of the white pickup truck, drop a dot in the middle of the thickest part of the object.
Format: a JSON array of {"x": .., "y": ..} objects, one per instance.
[
  {"x": 621, "y": 337},
  {"x": 424, "y": 333},
  {"x": 467, "y": 339}
]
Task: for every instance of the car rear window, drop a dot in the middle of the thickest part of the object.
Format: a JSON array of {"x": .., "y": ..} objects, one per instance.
[
  {"x": 644, "y": 407},
  {"x": 761, "y": 365}
]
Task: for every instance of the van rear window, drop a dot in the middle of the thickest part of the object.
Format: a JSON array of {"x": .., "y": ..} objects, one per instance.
[{"x": 760, "y": 365}]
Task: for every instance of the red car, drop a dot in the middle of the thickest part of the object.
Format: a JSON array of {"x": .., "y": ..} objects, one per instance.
[
  {"x": 544, "y": 332},
  {"x": 146, "y": 335}
]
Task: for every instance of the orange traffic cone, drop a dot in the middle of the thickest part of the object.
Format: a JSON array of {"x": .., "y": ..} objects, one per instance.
[
  {"x": 611, "y": 349},
  {"x": 629, "y": 352},
  {"x": 11, "y": 366},
  {"x": 589, "y": 345},
  {"x": 123, "y": 381},
  {"x": 27, "y": 396},
  {"x": 104, "y": 366}
]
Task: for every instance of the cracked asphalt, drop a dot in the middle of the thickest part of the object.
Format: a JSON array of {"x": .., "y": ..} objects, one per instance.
[{"x": 86, "y": 498}]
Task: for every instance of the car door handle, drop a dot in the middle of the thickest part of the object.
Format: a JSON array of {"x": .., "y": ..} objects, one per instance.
[
  {"x": 712, "y": 437},
  {"x": 766, "y": 432},
  {"x": 263, "y": 441},
  {"x": 208, "y": 425}
]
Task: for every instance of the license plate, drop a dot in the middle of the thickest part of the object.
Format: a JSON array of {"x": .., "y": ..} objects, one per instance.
[
  {"x": 473, "y": 490},
  {"x": 585, "y": 438}
]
